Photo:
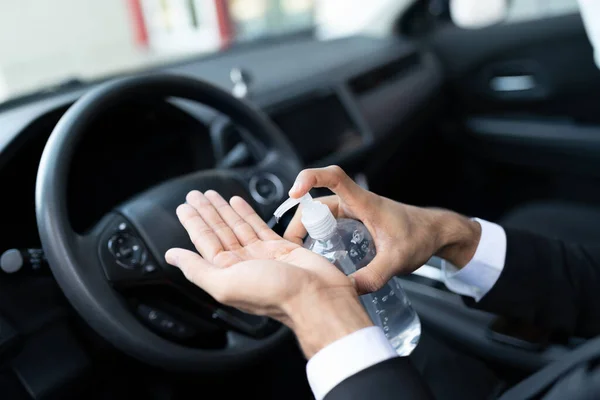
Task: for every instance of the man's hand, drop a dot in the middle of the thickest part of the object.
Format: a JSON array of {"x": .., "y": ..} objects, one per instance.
[
  {"x": 246, "y": 265},
  {"x": 405, "y": 236}
]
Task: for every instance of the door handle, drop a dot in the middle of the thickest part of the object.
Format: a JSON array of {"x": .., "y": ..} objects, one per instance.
[{"x": 513, "y": 83}]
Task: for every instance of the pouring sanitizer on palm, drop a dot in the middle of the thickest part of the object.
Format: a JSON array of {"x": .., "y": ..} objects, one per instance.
[{"x": 349, "y": 246}]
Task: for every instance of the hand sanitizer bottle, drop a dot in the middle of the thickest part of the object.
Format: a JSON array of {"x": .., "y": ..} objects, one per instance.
[{"x": 349, "y": 246}]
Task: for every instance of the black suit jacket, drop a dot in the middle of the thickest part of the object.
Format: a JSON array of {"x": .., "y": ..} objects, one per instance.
[{"x": 545, "y": 282}]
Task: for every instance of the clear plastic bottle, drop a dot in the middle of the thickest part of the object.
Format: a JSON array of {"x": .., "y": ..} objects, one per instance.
[{"x": 349, "y": 246}]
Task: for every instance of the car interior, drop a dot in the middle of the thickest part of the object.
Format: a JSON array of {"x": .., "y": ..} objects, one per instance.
[{"x": 498, "y": 123}]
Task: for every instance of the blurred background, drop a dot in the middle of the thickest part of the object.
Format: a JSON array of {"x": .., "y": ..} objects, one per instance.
[
  {"x": 49, "y": 42},
  {"x": 46, "y": 43}
]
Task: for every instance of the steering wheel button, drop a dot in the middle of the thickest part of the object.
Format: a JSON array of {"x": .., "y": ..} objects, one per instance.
[
  {"x": 266, "y": 188},
  {"x": 149, "y": 268},
  {"x": 127, "y": 250},
  {"x": 167, "y": 323},
  {"x": 181, "y": 330}
]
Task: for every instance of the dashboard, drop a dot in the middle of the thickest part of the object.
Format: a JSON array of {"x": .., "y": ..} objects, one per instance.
[
  {"x": 318, "y": 124},
  {"x": 333, "y": 100}
]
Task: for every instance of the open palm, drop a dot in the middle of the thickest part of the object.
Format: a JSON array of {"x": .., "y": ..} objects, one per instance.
[{"x": 244, "y": 263}]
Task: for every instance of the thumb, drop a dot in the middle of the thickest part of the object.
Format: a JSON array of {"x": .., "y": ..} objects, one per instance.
[
  {"x": 195, "y": 268},
  {"x": 372, "y": 277}
]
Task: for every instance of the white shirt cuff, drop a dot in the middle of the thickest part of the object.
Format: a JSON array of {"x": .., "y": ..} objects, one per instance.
[
  {"x": 346, "y": 357},
  {"x": 481, "y": 273}
]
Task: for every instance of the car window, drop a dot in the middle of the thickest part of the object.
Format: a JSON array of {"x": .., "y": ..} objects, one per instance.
[
  {"x": 45, "y": 43},
  {"x": 473, "y": 14},
  {"x": 523, "y": 10}
]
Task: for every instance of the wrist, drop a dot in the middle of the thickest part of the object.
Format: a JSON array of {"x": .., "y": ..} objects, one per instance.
[
  {"x": 458, "y": 237},
  {"x": 322, "y": 318}
]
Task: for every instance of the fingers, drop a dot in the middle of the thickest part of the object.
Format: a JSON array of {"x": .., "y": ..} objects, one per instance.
[
  {"x": 196, "y": 269},
  {"x": 296, "y": 232},
  {"x": 333, "y": 178},
  {"x": 242, "y": 230},
  {"x": 253, "y": 219},
  {"x": 202, "y": 236},
  {"x": 372, "y": 277},
  {"x": 212, "y": 218},
  {"x": 215, "y": 226}
]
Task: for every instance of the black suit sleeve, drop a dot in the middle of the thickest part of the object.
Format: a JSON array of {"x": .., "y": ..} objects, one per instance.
[
  {"x": 394, "y": 379},
  {"x": 548, "y": 283}
]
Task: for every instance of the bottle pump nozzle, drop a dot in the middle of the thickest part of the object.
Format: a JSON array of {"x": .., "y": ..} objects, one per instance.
[{"x": 316, "y": 216}]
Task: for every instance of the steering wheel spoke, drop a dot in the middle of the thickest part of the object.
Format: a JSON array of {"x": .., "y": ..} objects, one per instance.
[
  {"x": 233, "y": 144},
  {"x": 123, "y": 254}
]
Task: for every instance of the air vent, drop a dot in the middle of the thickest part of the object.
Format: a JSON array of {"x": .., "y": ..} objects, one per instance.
[{"x": 379, "y": 76}]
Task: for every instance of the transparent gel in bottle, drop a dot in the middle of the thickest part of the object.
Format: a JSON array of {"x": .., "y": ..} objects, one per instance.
[{"x": 349, "y": 246}]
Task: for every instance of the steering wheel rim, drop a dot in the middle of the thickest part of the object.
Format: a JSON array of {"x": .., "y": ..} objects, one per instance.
[{"x": 82, "y": 281}]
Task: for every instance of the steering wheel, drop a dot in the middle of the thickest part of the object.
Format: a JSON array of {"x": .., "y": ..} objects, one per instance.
[{"x": 126, "y": 248}]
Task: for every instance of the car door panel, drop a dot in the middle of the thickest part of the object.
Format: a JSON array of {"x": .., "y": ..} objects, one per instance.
[
  {"x": 444, "y": 314},
  {"x": 525, "y": 84},
  {"x": 522, "y": 123},
  {"x": 553, "y": 145}
]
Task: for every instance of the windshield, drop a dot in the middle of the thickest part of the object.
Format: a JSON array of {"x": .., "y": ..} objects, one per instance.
[{"x": 47, "y": 43}]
